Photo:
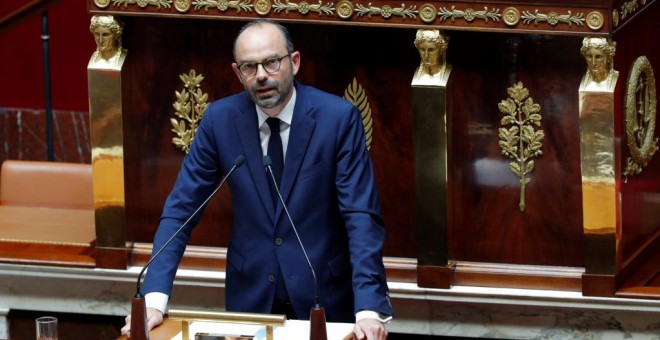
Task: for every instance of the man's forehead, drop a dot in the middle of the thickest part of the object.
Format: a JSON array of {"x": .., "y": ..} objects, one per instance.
[{"x": 257, "y": 37}]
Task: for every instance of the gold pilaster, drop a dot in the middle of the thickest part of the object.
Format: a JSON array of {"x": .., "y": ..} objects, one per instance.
[
  {"x": 600, "y": 160},
  {"x": 105, "y": 106},
  {"x": 430, "y": 140}
]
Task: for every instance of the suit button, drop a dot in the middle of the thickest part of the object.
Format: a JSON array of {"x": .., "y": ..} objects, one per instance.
[
  {"x": 278, "y": 241},
  {"x": 271, "y": 278}
]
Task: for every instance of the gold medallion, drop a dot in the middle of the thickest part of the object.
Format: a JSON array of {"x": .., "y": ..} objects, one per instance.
[
  {"x": 345, "y": 9},
  {"x": 595, "y": 20},
  {"x": 641, "y": 106},
  {"x": 182, "y": 5},
  {"x": 511, "y": 16},
  {"x": 262, "y": 7},
  {"x": 427, "y": 13},
  {"x": 102, "y": 3}
]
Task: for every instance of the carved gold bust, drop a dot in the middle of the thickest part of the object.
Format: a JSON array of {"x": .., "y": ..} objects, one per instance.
[
  {"x": 599, "y": 55},
  {"x": 432, "y": 46},
  {"x": 107, "y": 35}
]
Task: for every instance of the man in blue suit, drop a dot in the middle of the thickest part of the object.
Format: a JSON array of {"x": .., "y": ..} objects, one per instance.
[{"x": 325, "y": 177}]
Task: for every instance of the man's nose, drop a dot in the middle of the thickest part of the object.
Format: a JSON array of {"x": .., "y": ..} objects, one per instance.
[{"x": 261, "y": 72}]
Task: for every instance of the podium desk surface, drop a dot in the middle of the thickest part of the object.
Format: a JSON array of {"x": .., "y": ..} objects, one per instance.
[{"x": 170, "y": 329}]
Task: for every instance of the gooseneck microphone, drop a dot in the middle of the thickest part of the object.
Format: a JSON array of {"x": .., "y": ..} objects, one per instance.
[
  {"x": 139, "y": 328},
  {"x": 317, "y": 315}
]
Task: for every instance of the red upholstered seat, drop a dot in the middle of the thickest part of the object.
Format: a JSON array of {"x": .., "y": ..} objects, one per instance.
[{"x": 46, "y": 184}]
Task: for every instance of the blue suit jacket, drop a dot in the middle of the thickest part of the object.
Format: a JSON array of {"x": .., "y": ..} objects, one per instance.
[{"x": 329, "y": 189}]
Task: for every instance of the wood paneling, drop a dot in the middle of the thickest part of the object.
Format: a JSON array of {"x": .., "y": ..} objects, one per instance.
[
  {"x": 162, "y": 49},
  {"x": 488, "y": 225}
]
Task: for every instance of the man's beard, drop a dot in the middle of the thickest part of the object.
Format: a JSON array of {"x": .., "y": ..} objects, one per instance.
[{"x": 282, "y": 91}]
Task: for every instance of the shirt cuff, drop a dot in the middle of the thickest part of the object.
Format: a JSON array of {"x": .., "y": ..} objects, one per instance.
[
  {"x": 156, "y": 300},
  {"x": 369, "y": 314}
]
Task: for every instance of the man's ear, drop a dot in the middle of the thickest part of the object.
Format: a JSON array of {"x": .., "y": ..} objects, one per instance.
[
  {"x": 295, "y": 59},
  {"x": 237, "y": 72}
]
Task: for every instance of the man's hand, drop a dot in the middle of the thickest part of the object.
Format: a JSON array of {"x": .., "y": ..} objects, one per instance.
[
  {"x": 369, "y": 329},
  {"x": 154, "y": 318}
]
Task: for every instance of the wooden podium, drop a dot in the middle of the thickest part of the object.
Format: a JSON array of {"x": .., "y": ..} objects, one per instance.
[
  {"x": 179, "y": 325},
  {"x": 363, "y": 50}
]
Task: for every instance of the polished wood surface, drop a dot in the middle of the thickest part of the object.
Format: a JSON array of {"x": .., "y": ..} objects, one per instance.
[
  {"x": 47, "y": 225},
  {"x": 553, "y": 17},
  {"x": 152, "y": 162},
  {"x": 486, "y": 229},
  {"x": 34, "y": 235}
]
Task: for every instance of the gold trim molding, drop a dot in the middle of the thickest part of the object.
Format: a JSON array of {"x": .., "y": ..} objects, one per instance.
[
  {"x": 357, "y": 96},
  {"x": 469, "y": 14},
  {"x": 520, "y": 141},
  {"x": 143, "y": 3},
  {"x": 387, "y": 11},
  {"x": 552, "y": 18},
  {"x": 445, "y": 14},
  {"x": 640, "y": 105},
  {"x": 626, "y": 10},
  {"x": 304, "y": 7},
  {"x": 224, "y": 5},
  {"x": 189, "y": 107}
]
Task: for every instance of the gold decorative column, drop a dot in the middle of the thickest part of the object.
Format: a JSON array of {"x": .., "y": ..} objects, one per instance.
[
  {"x": 106, "y": 134},
  {"x": 429, "y": 107},
  {"x": 600, "y": 166}
]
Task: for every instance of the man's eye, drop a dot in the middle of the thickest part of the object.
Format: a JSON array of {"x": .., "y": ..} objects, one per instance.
[{"x": 270, "y": 62}]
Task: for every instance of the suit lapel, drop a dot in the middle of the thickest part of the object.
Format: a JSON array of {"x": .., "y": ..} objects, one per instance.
[
  {"x": 245, "y": 122},
  {"x": 302, "y": 126}
]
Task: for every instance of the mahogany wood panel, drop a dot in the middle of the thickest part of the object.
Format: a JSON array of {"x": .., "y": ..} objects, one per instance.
[
  {"x": 382, "y": 60},
  {"x": 641, "y": 193},
  {"x": 215, "y": 258},
  {"x": 487, "y": 224},
  {"x": 27, "y": 253},
  {"x": 449, "y": 15}
]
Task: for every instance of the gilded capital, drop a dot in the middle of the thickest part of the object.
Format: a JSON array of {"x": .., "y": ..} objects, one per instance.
[
  {"x": 599, "y": 55},
  {"x": 432, "y": 46},
  {"x": 107, "y": 33}
]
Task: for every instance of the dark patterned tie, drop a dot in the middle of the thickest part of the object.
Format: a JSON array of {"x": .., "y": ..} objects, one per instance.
[{"x": 275, "y": 152}]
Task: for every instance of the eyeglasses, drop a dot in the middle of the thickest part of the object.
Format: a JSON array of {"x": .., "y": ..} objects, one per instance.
[{"x": 270, "y": 65}]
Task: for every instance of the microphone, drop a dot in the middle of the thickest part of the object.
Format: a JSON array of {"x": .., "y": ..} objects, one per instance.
[
  {"x": 317, "y": 314},
  {"x": 139, "y": 327}
]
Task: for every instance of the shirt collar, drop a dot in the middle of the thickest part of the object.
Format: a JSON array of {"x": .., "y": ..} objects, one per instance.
[{"x": 286, "y": 115}]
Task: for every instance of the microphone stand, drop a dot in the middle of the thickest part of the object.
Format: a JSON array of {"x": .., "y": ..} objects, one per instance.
[
  {"x": 317, "y": 322},
  {"x": 139, "y": 324}
]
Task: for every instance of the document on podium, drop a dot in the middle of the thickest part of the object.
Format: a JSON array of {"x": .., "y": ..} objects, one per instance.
[{"x": 292, "y": 330}]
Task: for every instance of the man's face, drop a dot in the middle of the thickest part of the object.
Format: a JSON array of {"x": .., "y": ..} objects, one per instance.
[
  {"x": 104, "y": 39},
  {"x": 270, "y": 91},
  {"x": 596, "y": 63}
]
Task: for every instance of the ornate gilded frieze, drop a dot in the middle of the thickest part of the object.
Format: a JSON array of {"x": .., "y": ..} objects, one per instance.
[
  {"x": 441, "y": 13},
  {"x": 552, "y": 18},
  {"x": 142, "y": 3},
  {"x": 640, "y": 105},
  {"x": 387, "y": 11},
  {"x": 626, "y": 10},
  {"x": 303, "y": 7},
  {"x": 520, "y": 142},
  {"x": 468, "y": 14},
  {"x": 223, "y": 5},
  {"x": 190, "y": 105},
  {"x": 356, "y": 95}
]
